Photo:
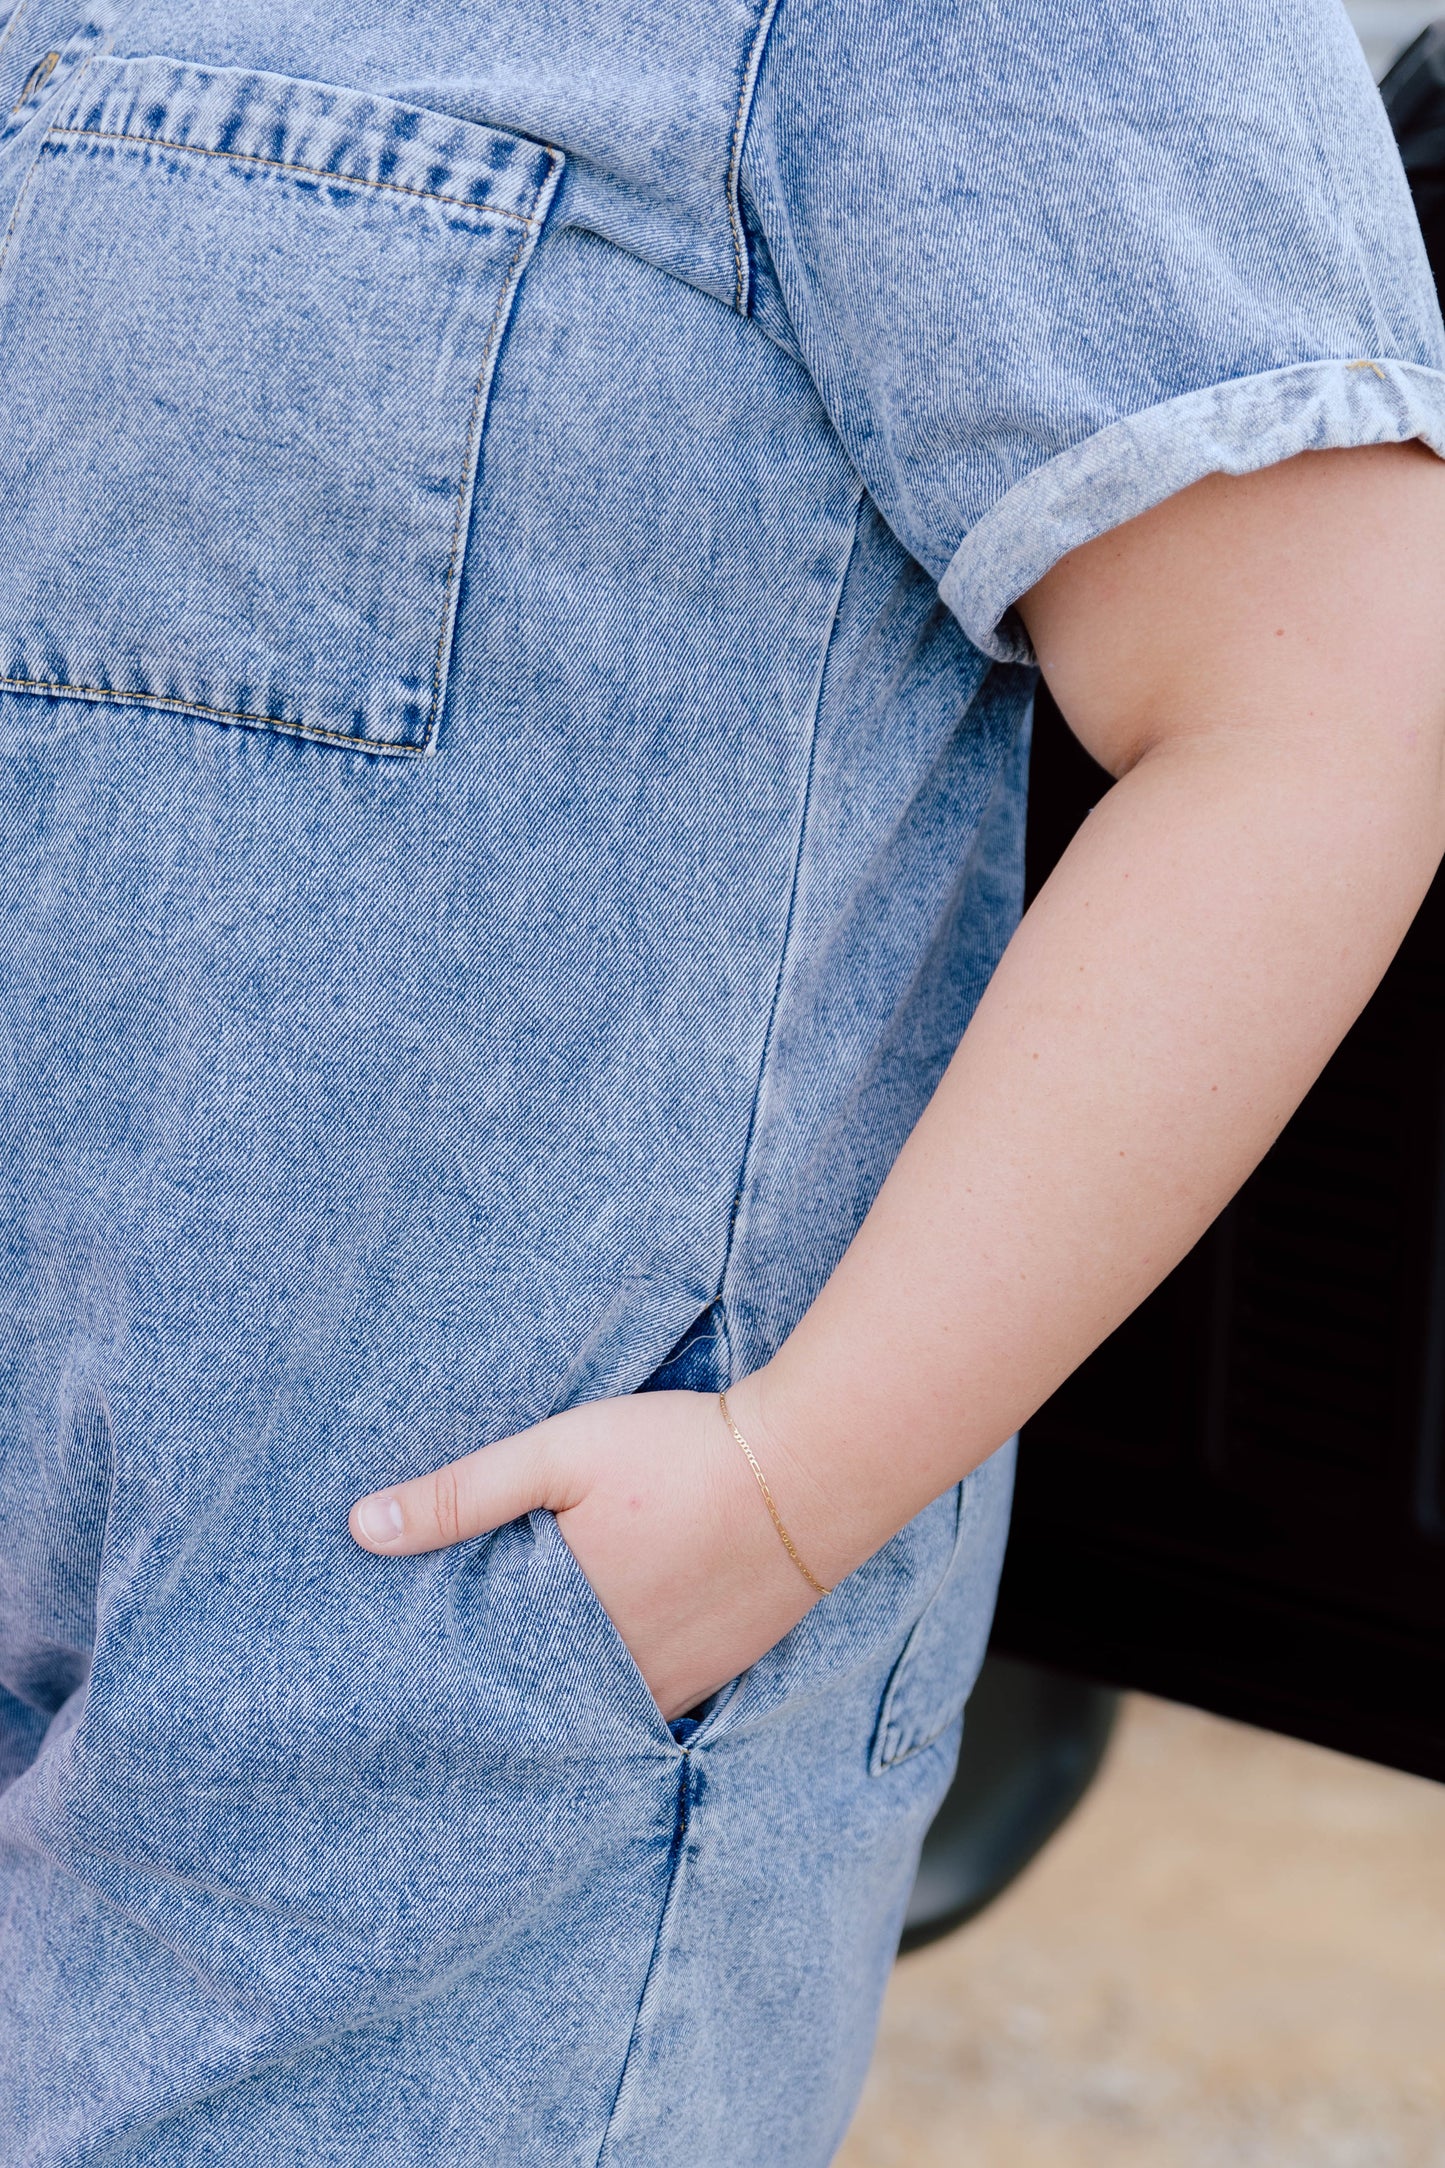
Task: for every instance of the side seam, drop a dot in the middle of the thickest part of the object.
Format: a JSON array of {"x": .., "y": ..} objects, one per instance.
[
  {"x": 670, "y": 1904},
  {"x": 785, "y": 946}
]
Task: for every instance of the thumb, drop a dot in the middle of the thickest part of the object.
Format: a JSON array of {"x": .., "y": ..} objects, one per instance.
[{"x": 466, "y": 1497}]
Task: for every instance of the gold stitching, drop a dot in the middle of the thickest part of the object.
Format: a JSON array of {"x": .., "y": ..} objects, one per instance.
[
  {"x": 200, "y": 707},
  {"x": 32, "y": 169},
  {"x": 37, "y": 79},
  {"x": 286, "y": 165}
]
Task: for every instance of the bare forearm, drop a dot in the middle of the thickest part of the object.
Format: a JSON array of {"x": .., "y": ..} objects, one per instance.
[{"x": 1220, "y": 919}]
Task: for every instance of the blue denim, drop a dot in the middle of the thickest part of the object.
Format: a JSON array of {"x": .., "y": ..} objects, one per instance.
[{"x": 514, "y": 737}]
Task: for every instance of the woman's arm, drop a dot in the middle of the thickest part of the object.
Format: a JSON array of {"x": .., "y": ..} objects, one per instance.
[{"x": 1261, "y": 664}]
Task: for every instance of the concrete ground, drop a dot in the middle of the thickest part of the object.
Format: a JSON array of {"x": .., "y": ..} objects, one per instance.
[{"x": 1232, "y": 1957}]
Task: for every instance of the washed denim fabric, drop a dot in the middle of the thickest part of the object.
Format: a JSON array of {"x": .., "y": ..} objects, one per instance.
[{"x": 513, "y": 739}]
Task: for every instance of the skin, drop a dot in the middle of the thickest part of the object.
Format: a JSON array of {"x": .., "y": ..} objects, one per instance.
[{"x": 1260, "y": 663}]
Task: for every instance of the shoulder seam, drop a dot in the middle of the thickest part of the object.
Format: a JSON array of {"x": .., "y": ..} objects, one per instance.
[{"x": 742, "y": 292}]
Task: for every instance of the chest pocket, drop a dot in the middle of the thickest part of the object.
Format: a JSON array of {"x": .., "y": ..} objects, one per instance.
[{"x": 248, "y": 327}]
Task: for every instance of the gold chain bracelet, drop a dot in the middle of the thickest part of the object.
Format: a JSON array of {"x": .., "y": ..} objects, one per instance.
[{"x": 788, "y": 1544}]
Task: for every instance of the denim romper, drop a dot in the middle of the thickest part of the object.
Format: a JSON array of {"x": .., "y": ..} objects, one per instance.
[{"x": 513, "y": 735}]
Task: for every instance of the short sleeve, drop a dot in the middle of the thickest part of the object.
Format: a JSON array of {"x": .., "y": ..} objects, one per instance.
[{"x": 1048, "y": 263}]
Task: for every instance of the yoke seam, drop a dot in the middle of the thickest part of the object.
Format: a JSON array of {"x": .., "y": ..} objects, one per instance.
[
  {"x": 785, "y": 946},
  {"x": 290, "y": 165}
]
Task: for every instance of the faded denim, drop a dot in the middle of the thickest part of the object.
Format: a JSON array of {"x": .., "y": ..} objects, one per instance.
[{"x": 514, "y": 738}]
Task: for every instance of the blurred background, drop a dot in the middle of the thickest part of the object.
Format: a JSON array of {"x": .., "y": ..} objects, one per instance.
[
  {"x": 1386, "y": 26},
  {"x": 1231, "y": 1956},
  {"x": 1147, "y": 1934}
]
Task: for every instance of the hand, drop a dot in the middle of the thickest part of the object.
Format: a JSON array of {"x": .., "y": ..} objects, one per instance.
[{"x": 657, "y": 1503}]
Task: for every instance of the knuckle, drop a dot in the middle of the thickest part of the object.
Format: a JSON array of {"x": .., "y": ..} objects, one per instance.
[
  {"x": 552, "y": 1473},
  {"x": 446, "y": 1502}
]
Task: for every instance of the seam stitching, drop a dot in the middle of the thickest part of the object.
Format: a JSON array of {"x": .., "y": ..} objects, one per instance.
[
  {"x": 785, "y": 945},
  {"x": 287, "y": 165},
  {"x": 24, "y": 190},
  {"x": 22, "y": 8},
  {"x": 34, "y": 166},
  {"x": 25, "y": 112},
  {"x": 467, "y": 476},
  {"x": 179, "y": 705},
  {"x": 751, "y": 67},
  {"x": 670, "y": 1902},
  {"x": 36, "y": 80}
]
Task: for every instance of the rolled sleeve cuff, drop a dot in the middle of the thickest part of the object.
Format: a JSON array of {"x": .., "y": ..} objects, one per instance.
[{"x": 1233, "y": 428}]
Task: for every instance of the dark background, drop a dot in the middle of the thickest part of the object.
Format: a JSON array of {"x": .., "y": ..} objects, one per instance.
[{"x": 1239, "y": 1501}]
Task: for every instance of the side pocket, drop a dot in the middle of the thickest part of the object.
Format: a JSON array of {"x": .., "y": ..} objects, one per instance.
[
  {"x": 934, "y": 1676},
  {"x": 248, "y": 327},
  {"x": 648, "y": 1325},
  {"x": 658, "y": 1330}
]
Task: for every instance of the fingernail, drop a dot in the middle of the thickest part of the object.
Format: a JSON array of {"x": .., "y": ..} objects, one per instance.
[{"x": 379, "y": 1519}]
